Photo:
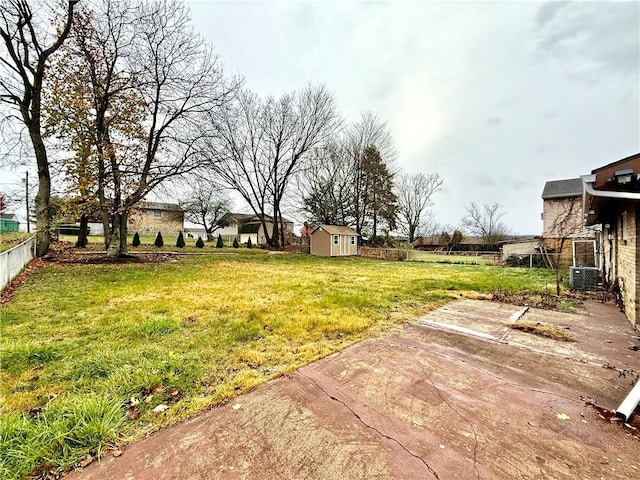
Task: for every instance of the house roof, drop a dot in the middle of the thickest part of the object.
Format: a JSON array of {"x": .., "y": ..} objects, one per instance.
[
  {"x": 250, "y": 217},
  {"x": 335, "y": 230},
  {"x": 159, "y": 206},
  {"x": 617, "y": 163},
  {"x": 570, "y": 187},
  {"x": 8, "y": 216}
]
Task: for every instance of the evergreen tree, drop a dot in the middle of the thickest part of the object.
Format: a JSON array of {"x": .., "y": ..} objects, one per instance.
[
  {"x": 199, "y": 243},
  {"x": 235, "y": 243},
  {"x": 136, "y": 240},
  {"x": 159, "y": 241},
  {"x": 180, "y": 240},
  {"x": 219, "y": 243},
  {"x": 249, "y": 244}
]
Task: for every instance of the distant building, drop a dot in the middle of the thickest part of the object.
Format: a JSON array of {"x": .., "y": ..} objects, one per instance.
[
  {"x": 152, "y": 217},
  {"x": 563, "y": 229},
  {"x": 242, "y": 226},
  {"x": 9, "y": 223}
]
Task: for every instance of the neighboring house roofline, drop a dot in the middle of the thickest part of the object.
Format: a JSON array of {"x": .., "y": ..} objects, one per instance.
[
  {"x": 569, "y": 187},
  {"x": 158, "y": 206}
]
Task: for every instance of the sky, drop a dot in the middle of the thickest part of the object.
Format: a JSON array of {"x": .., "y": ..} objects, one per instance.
[{"x": 496, "y": 97}]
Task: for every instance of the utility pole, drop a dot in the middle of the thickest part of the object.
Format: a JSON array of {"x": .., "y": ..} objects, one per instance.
[{"x": 26, "y": 186}]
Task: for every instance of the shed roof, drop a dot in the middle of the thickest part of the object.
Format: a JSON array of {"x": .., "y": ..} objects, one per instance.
[
  {"x": 570, "y": 187},
  {"x": 335, "y": 230},
  {"x": 8, "y": 216}
]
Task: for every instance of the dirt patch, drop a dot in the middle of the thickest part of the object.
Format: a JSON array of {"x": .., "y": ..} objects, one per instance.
[
  {"x": 546, "y": 330},
  {"x": 543, "y": 300}
]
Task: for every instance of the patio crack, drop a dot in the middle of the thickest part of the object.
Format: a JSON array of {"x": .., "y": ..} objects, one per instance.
[
  {"x": 464, "y": 419},
  {"x": 371, "y": 427}
]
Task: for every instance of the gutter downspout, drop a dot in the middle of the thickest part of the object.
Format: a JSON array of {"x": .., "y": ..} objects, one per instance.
[{"x": 629, "y": 404}]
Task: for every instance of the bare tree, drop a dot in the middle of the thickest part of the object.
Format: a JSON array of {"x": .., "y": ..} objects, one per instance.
[
  {"x": 325, "y": 186},
  {"x": 207, "y": 206},
  {"x": 153, "y": 83},
  {"x": 28, "y": 42},
  {"x": 414, "y": 194},
  {"x": 263, "y": 144},
  {"x": 485, "y": 222}
]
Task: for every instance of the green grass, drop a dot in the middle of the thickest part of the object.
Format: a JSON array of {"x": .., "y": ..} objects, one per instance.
[
  {"x": 9, "y": 240},
  {"x": 88, "y": 351}
]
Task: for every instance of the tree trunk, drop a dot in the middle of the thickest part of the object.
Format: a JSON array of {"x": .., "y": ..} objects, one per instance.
[
  {"x": 43, "y": 216},
  {"x": 83, "y": 232},
  {"x": 118, "y": 243}
]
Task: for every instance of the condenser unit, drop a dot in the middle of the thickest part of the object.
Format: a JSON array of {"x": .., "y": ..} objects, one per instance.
[{"x": 583, "y": 278}]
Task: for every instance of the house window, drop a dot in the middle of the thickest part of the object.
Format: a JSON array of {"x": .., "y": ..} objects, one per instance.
[
  {"x": 157, "y": 214},
  {"x": 353, "y": 240},
  {"x": 336, "y": 240}
]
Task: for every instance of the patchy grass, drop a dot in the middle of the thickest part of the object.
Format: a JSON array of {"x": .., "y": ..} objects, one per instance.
[
  {"x": 88, "y": 351},
  {"x": 9, "y": 240},
  {"x": 543, "y": 329}
]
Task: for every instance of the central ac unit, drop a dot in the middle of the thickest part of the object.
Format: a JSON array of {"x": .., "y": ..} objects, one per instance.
[{"x": 583, "y": 278}]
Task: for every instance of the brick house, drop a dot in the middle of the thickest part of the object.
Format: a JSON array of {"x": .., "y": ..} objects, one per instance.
[
  {"x": 150, "y": 218},
  {"x": 563, "y": 229},
  {"x": 611, "y": 198}
]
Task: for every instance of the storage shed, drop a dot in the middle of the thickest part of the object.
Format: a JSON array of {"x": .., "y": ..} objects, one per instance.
[{"x": 333, "y": 241}]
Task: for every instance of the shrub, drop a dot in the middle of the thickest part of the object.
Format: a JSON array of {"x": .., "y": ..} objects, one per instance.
[
  {"x": 136, "y": 240},
  {"x": 199, "y": 243},
  {"x": 159, "y": 242},
  {"x": 235, "y": 243},
  {"x": 180, "y": 240},
  {"x": 219, "y": 243},
  {"x": 249, "y": 244}
]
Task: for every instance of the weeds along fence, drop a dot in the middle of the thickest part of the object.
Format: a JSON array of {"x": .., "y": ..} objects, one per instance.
[
  {"x": 12, "y": 261},
  {"x": 460, "y": 258}
]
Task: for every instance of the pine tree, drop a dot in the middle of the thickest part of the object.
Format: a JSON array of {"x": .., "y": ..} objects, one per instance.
[
  {"x": 159, "y": 241},
  {"x": 136, "y": 240},
  {"x": 235, "y": 243},
  {"x": 219, "y": 243},
  {"x": 199, "y": 243},
  {"x": 180, "y": 240},
  {"x": 249, "y": 244}
]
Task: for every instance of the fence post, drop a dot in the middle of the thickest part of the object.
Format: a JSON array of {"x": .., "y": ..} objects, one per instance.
[{"x": 530, "y": 261}]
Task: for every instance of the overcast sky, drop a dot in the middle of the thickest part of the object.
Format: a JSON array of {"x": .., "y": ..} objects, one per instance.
[{"x": 497, "y": 97}]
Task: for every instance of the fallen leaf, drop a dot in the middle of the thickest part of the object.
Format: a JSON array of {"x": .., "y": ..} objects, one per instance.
[
  {"x": 117, "y": 453},
  {"x": 237, "y": 406},
  {"x": 563, "y": 416},
  {"x": 86, "y": 461},
  {"x": 157, "y": 388},
  {"x": 134, "y": 401},
  {"x": 133, "y": 412},
  {"x": 160, "y": 408},
  {"x": 173, "y": 392},
  {"x": 149, "y": 398}
]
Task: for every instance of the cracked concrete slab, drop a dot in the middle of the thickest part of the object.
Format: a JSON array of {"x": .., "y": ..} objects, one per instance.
[{"x": 417, "y": 404}]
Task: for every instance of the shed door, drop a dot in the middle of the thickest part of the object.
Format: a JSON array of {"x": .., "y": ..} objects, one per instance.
[{"x": 344, "y": 245}]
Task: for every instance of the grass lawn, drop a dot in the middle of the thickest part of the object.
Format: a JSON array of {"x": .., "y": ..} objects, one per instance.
[
  {"x": 9, "y": 240},
  {"x": 93, "y": 356}
]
